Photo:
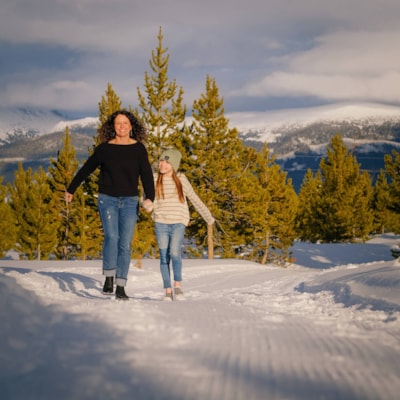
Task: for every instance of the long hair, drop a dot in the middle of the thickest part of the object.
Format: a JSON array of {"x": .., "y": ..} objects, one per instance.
[
  {"x": 178, "y": 185},
  {"x": 107, "y": 132}
]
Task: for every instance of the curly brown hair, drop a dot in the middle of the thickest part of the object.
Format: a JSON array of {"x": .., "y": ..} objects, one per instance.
[{"x": 107, "y": 132}]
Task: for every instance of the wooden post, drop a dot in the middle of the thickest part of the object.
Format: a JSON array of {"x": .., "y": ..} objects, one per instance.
[{"x": 210, "y": 242}]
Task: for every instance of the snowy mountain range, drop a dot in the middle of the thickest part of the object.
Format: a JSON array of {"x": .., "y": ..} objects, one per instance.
[
  {"x": 271, "y": 125},
  {"x": 297, "y": 137}
]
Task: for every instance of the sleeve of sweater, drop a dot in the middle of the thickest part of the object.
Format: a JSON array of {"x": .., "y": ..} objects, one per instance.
[
  {"x": 200, "y": 207},
  {"x": 146, "y": 176},
  {"x": 88, "y": 167}
]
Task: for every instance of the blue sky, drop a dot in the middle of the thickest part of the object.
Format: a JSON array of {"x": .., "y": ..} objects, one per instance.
[{"x": 264, "y": 54}]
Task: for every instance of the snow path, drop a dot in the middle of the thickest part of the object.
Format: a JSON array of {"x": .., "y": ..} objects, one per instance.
[{"x": 245, "y": 331}]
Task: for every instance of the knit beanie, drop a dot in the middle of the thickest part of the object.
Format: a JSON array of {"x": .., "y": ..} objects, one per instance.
[{"x": 173, "y": 156}]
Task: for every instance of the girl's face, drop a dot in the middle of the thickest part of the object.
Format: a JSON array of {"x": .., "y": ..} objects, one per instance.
[{"x": 165, "y": 167}]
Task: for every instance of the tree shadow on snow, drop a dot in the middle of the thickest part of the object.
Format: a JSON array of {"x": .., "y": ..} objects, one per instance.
[{"x": 46, "y": 353}]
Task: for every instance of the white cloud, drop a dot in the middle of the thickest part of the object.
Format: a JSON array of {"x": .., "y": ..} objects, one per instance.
[
  {"x": 340, "y": 50},
  {"x": 341, "y": 66}
]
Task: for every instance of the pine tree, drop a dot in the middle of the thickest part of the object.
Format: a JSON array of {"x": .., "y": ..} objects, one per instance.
[
  {"x": 392, "y": 169},
  {"x": 362, "y": 218},
  {"x": 346, "y": 196},
  {"x": 162, "y": 111},
  {"x": 85, "y": 233},
  {"x": 109, "y": 104},
  {"x": 8, "y": 229},
  {"x": 273, "y": 209},
  {"x": 85, "y": 224},
  {"x": 61, "y": 171},
  {"x": 383, "y": 217},
  {"x": 73, "y": 234},
  {"x": 161, "y": 105},
  {"x": 38, "y": 235},
  {"x": 310, "y": 217},
  {"x": 215, "y": 160},
  {"x": 19, "y": 190}
]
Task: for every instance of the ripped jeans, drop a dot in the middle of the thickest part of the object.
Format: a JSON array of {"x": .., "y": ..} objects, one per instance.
[{"x": 118, "y": 217}]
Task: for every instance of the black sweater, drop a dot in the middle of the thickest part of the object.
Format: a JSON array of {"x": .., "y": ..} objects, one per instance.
[{"x": 120, "y": 169}]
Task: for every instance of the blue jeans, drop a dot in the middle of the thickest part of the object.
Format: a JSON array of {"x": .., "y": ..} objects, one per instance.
[
  {"x": 118, "y": 217},
  {"x": 169, "y": 240}
]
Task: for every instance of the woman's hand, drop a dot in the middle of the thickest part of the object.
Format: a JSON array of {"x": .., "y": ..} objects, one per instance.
[{"x": 68, "y": 197}]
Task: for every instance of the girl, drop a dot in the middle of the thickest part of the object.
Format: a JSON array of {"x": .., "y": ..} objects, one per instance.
[{"x": 171, "y": 216}]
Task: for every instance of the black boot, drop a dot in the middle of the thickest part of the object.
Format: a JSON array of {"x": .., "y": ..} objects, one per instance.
[
  {"x": 120, "y": 293},
  {"x": 108, "y": 287}
]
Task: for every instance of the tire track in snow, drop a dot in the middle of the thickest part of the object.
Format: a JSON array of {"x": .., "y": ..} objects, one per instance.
[
  {"x": 271, "y": 355},
  {"x": 243, "y": 333}
]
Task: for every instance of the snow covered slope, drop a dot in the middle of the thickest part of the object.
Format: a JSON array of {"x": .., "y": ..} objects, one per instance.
[{"x": 327, "y": 327}]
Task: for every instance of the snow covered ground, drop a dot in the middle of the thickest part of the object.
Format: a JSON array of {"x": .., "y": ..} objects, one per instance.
[{"x": 327, "y": 327}]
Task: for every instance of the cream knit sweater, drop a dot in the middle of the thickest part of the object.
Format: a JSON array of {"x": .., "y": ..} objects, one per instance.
[{"x": 170, "y": 210}]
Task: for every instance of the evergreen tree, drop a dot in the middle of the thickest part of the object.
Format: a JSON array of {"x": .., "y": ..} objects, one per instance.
[
  {"x": 85, "y": 224},
  {"x": 384, "y": 218},
  {"x": 362, "y": 218},
  {"x": 392, "y": 169},
  {"x": 215, "y": 160},
  {"x": 273, "y": 209},
  {"x": 38, "y": 235},
  {"x": 61, "y": 172},
  {"x": 310, "y": 217},
  {"x": 19, "y": 190},
  {"x": 162, "y": 111},
  {"x": 346, "y": 196},
  {"x": 85, "y": 233},
  {"x": 161, "y": 104},
  {"x": 8, "y": 229},
  {"x": 73, "y": 234},
  {"x": 109, "y": 104}
]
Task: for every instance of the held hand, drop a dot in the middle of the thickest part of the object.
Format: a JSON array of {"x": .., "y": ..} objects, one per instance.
[
  {"x": 68, "y": 197},
  {"x": 148, "y": 205}
]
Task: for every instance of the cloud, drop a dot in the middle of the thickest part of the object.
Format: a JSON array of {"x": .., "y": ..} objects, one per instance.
[
  {"x": 340, "y": 50},
  {"x": 341, "y": 66}
]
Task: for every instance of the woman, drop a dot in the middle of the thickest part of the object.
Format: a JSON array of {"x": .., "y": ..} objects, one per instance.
[
  {"x": 122, "y": 159},
  {"x": 171, "y": 216}
]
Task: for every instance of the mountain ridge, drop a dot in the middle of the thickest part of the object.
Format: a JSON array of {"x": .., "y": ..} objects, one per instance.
[{"x": 297, "y": 137}]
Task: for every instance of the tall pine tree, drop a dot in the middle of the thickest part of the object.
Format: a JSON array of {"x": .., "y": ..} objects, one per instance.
[
  {"x": 215, "y": 161},
  {"x": 161, "y": 104},
  {"x": 162, "y": 111}
]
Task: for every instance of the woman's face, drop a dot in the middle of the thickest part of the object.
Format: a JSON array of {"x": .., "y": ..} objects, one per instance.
[
  {"x": 122, "y": 126},
  {"x": 165, "y": 167}
]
